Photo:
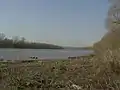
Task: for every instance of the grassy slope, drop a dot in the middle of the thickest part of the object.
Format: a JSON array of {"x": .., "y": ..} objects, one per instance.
[
  {"x": 45, "y": 74},
  {"x": 84, "y": 74}
]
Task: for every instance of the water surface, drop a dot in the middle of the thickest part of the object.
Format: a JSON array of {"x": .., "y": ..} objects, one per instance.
[{"x": 24, "y": 54}]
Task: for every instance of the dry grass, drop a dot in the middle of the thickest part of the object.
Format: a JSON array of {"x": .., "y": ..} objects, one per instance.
[
  {"x": 90, "y": 73},
  {"x": 107, "y": 70}
]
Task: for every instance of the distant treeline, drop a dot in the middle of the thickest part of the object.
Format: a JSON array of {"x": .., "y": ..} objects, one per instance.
[{"x": 17, "y": 42}]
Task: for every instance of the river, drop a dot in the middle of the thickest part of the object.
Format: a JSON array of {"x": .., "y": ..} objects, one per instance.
[{"x": 24, "y": 54}]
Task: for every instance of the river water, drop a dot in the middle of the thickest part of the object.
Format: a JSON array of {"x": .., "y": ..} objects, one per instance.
[{"x": 24, "y": 54}]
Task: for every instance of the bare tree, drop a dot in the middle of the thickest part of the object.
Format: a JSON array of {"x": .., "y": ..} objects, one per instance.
[
  {"x": 111, "y": 39},
  {"x": 15, "y": 39},
  {"x": 113, "y": 18},
  {"x": 2, "y": 36},
  {"x": 22, "y": 39}
]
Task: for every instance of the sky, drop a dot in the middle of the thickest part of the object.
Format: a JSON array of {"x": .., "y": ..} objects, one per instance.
[{"x": 62, "y": 22}]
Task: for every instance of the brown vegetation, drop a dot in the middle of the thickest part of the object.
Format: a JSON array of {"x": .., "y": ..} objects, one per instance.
[
  {"x": 100, "y": 72},
  {"x": 87, "y": 73}
]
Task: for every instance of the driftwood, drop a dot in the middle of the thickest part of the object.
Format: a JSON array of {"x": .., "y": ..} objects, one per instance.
[{"x": 33, "y": 57}]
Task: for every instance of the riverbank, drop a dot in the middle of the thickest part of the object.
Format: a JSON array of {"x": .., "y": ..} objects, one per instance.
[
  {"x": 36, "y": 59},
  {"x": 45, "y": 74},
  {"x": 53, "y": 75},
  {"x": 36, "y": 73}
]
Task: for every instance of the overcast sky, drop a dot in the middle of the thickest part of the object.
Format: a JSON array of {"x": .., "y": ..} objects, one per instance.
[{"x": 61, "y": 22}]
